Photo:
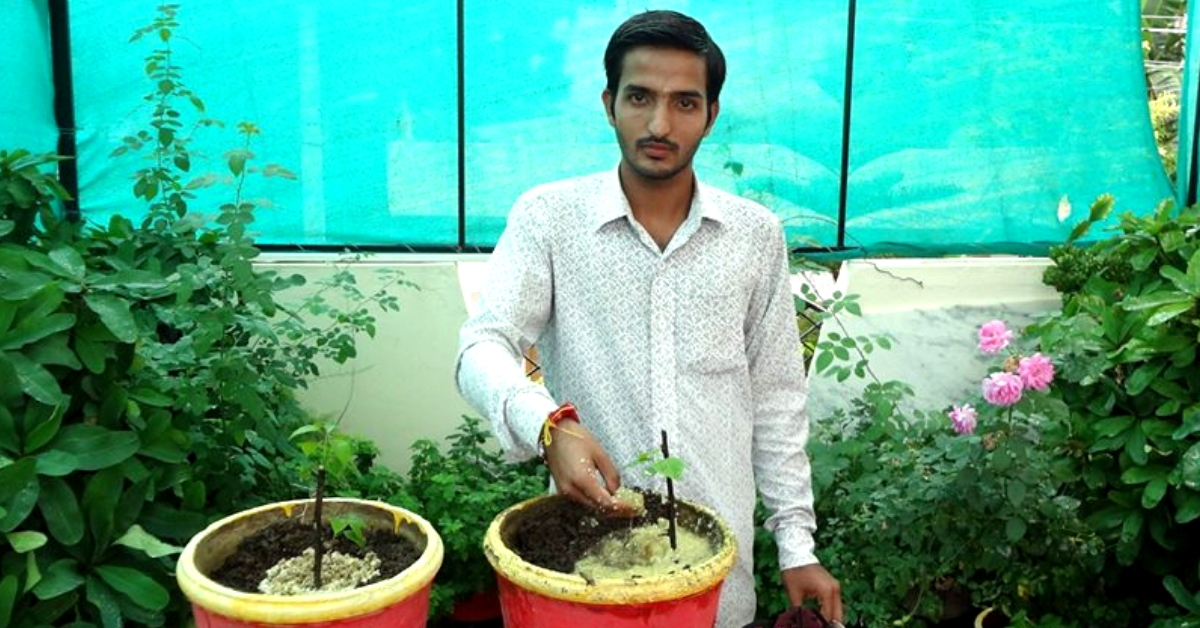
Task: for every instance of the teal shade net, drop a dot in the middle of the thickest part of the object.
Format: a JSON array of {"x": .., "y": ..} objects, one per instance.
[
  {"x": 878, "y": 126},
  {"x": 26, "y": 78}
]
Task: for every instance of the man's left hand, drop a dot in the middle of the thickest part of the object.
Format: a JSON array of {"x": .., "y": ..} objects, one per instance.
[{"x": 812, "y": 581}]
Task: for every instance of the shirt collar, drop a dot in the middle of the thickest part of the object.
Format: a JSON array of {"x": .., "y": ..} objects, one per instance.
[{"x": 612, "y": 203}]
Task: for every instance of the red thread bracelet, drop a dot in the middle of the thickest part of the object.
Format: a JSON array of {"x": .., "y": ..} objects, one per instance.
[{"x": 564, "y": 412}]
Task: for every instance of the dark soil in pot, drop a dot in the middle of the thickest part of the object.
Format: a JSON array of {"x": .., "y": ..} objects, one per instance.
[
  {"x": 555, "y": 533},
  {"x": 257, "y": 553}
]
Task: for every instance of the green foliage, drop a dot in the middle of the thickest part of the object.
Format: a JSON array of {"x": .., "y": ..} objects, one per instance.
[
  {"x": 352, "y": 527},
  {"x": 1127, "y": 339},
  {"x": 652, "y": 463},
  {"x": 147, "y": 373},
  {"x": 460, "y": 490},
  {"x": 914, "y": 515}
]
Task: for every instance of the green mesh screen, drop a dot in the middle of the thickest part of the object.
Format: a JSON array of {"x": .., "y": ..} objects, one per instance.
[
  {"x": 26, "y": 79},
  {"x": 970, "y": 125}
]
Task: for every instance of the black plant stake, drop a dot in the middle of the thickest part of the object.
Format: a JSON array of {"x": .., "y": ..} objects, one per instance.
[
  {"x": 666, "y": 452},
  {"x": 319, "y": 545}
]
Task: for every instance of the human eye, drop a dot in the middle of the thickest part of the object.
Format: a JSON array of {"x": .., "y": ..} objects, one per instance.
[
  {"x": 637, "y": 98},
  {"x": 688, "y": 104}
]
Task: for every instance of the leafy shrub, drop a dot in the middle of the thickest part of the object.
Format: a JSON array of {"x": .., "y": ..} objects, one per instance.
[
  {"x": 460, "y": 490},
  {"x": 1127, "y": 340},
  {"x": 147, "y": 374}
]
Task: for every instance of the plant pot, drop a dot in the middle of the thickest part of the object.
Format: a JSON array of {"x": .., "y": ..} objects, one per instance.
[
  {"x": 479, "y": 607},
  {"x": 536, "y": 597},
  {"x": 399, "y": 601}
]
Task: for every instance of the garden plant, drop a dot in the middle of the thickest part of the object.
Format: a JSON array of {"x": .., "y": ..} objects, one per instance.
[{"x": 148, "y": 369}]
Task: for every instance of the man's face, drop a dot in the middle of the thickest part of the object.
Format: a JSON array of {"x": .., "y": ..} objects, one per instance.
[{"x": 660, "y": 111}]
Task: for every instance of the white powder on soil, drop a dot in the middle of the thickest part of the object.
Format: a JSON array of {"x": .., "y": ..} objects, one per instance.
[
  {"x": 643, "y": 551},
  {"x": 339, "y": 572}
]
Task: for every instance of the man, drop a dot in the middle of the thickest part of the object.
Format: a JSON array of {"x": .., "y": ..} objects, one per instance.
[{"x": 657, "y": 303}]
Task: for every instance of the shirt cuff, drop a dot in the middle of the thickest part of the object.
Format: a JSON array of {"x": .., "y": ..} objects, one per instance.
[
  {"x": 796, "y": 546},
  {"x": 527, "y": 411}
]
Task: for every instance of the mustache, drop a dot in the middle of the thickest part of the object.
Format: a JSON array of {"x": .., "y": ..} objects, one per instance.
[{"x": 657, "y": 141}]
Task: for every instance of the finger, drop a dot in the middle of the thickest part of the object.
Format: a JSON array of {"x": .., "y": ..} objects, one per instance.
[
  {"x": 612, "y": 477},
  {"x": 831, "y": 605}
]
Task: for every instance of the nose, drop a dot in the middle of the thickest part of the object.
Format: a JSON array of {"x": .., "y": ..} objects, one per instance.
[{"x": 659, "y": 124}]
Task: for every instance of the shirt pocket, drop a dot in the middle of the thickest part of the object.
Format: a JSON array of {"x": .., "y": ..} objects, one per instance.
[{"x": 709, "y": 330}]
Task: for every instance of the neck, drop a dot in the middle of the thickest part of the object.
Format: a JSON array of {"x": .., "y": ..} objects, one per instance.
[{"x": 657, "y": 200}]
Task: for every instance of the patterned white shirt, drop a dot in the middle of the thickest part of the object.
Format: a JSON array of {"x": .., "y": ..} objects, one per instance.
[{"x": 698, "y": 339}]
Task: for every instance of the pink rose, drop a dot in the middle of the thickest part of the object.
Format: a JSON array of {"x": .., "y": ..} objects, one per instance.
[
  {"x": 1036, "y": 371},
  {"x": 994, "y": 336},
  {"x": 963, "y": 418},
  {"x": 1002, "y": 389}
]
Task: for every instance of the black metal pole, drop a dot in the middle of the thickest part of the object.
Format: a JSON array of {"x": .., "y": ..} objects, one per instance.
[
  {"x": 671, "y": 511},
  {"x": 462, "y": 128},
  {"x": 843, "y": 188},
  {"x": 64, "y": 104}
]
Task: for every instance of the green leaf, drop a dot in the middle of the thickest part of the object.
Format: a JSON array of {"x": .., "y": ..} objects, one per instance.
[
  {"x": 95, "y": 447},
  {"x": 32, "y": 574},
  {"x": 8, "y": 599},
  {"x": 105, "y": 601},
  {"x": 60, "y": 510},
  {"x": 100, "y": 498},
  {"x": 91, "y": 353},
  {"x": 1189, "y": 467},
  {"x": 1155, "y": 491},
  {"x": 18, "y": 492},
  {"x": 1112, "y": 426},
  {"x": 56, "y": 463},
  {"x": 114, "y": 313},
  {"x": 33, "y": 329},
  {"x": 1181, "y": 281},
  {"x": 34, "y": 379},
  {"x": 1143, "y": 376},
  {"x": 137, "y": 586},
  {"x": 137, "y": 538},
  {"x": 19, "y": 285},
  {"x": 62, "y": 577},
  {"x": 1016, "y": 493},
  {"x": 1168, "y": 312},
  {"x": 1015, "y": 528},
  {"x": 1135, "y": 445},
  {"x": 1141, "y": 475},
  {"x": 9, "y": 441},
  {"x": 6, "y": 227},
  {"x": 1154, "y": 300},
  {"x": 70, "y": 261},
  {"x": 26, "y": 541},
  {"x": 1181, "y": 595},
  {"x": 45, "y": 430}
]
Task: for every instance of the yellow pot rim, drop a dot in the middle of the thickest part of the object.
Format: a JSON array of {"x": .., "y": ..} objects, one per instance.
[
  {"x": 317, "y": 607},
  {"x": 608, "y": 591}
]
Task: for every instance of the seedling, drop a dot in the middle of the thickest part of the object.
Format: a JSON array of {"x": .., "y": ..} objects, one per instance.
[
  {"x": 670, "y": 469},
  {"x": 352, "y": 527}
]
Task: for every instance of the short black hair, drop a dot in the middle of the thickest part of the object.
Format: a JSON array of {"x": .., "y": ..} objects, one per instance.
[{"x": 665, "y": 29}]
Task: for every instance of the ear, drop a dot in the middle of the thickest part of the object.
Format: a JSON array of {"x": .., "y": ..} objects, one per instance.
[
  {"x": 713, "y": 110},
  {"x": 606, "y": 97}
]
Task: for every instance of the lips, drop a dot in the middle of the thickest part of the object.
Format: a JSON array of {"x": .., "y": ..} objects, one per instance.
[{"x": 656, "y": 149}]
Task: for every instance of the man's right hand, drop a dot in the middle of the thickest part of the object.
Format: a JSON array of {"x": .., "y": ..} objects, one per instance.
[{"x": 581, "y": 468}]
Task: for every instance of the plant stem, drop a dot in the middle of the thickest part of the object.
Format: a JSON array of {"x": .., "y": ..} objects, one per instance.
[
  {"x": 666, "y": 452},
  {"x": 319, "y": 544}
]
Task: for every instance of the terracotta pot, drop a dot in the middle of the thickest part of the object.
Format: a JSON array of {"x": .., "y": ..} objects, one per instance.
[
  {"x": 400, "y": 601},
  {"x": 535, "y": 597}
]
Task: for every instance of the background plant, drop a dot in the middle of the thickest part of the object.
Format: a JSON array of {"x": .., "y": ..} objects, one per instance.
[
  {"x": 147, "y": 371},
  {"x": 1127, "y": 341},
  {"x": 460, "y": 489}
]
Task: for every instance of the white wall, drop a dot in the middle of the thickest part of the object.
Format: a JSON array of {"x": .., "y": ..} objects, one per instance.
[{"x": 401, "y": 387}]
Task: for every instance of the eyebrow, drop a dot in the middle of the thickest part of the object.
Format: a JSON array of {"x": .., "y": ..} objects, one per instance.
[{"x": 687, "y": 93}]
